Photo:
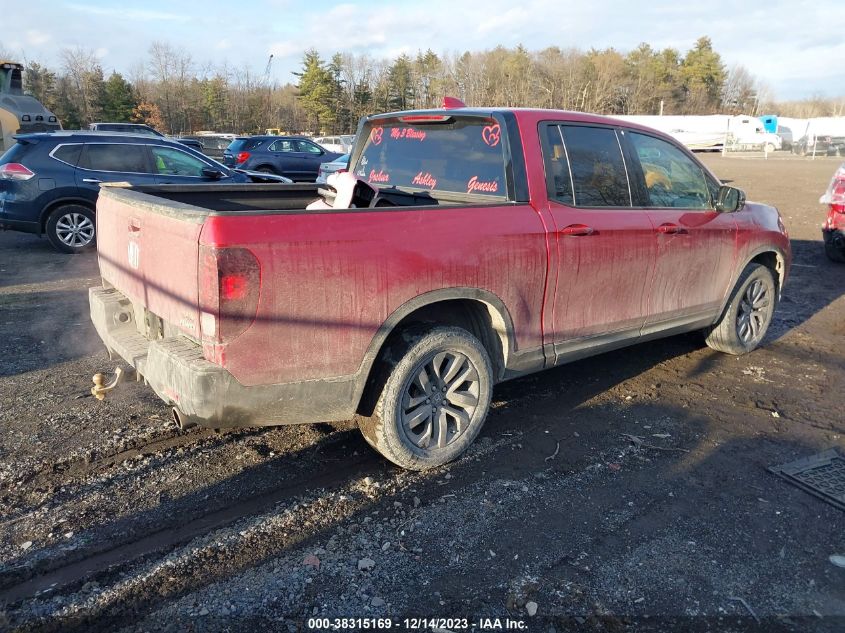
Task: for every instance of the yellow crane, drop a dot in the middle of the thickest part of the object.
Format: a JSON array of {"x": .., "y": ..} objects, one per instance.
[{"x": 19, "y": 113}]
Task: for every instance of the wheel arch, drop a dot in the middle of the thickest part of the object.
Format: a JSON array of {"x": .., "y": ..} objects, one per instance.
[
  {"x": 481, "y": 312},
  {"x": 55, "y": 204},
  {"x": 770, "y": 256}
]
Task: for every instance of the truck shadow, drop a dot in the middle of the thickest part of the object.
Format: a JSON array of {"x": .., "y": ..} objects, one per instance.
[{"x": 687, "y": 509}]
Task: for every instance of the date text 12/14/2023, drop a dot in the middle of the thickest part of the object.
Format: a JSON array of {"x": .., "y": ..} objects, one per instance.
[{"x": 414, "y": 624}]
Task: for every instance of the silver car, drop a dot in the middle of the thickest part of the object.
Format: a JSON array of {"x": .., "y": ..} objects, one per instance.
[{"x": 341, "y": 163}]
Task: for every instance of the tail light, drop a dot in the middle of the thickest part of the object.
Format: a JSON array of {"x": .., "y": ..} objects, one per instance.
[
  {"x": 242, "y": 157},
  {"x": 15, "y": 171},
  {"x": 230, "y": 283}
]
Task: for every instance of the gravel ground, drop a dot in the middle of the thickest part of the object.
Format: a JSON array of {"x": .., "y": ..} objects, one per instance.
[{"x": 626, "y": 492}]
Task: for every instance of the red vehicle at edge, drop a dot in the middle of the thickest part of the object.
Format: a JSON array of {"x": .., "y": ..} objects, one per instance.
[
  {"x": 833, "y": 230},
  {"x": 489, "y": 243}
]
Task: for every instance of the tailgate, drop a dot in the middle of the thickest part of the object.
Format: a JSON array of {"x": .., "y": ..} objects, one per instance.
[{"x": 148, "y": 249}]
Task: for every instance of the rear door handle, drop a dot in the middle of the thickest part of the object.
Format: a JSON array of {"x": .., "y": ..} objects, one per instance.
[
  {"x": 670, "y": 229},
  {"x": 577, "y": 229},
  {"x": 92, "y": 180}
]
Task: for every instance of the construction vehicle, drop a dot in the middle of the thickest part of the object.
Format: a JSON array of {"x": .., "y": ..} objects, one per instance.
[{"x": 20, "y": 114}]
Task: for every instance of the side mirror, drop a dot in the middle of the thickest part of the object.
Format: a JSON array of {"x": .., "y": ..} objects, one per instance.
[
  {"x": 212, "y": 174},
  {"x": 730, "y": 199}
]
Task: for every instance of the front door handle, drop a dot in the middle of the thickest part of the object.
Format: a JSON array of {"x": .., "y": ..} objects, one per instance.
[
  {"x": 670, "y": 229},
  {"x": 92, "y": 180},
  {"x": 577, "y": 229}
]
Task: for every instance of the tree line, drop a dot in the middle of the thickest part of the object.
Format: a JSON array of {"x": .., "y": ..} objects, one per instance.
[{"x": 176, "y": 94}]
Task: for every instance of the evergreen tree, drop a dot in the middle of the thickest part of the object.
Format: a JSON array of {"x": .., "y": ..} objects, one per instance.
[
  {"x": 703, "y": 75},
  {"x": 400, "y": 84},
  {"x": 316, "y": 92},
  {"x": 118, "y": 99}
]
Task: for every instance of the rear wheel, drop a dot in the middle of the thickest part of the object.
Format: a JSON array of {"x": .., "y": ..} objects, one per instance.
[
  {"x": 264, "y": 169},
  {"x": 748, "y": 314},
  {"x": 70, "y": 228},
  {"x": 434, "y": 400}
]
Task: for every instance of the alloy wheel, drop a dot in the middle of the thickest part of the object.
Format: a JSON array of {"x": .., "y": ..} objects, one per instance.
[
  {"x": 75, "y": 230},
  {"x": 439, "y": 400}
]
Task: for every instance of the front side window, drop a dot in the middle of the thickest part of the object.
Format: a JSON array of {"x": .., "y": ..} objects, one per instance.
[
  {"x": 121, "y": 157},
  {"x": 672, "y": 178},
  {"x": 462, "y": 155},
  {"x": 309, "y": 148},
  {"x": 173, "y": 162},
  {"x": 599, "y": 178}
]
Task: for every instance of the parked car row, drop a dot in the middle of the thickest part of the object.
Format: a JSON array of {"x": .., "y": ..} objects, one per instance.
[
  {"x": 49, "y": 182},
  {"x": 820, "y": 145}
]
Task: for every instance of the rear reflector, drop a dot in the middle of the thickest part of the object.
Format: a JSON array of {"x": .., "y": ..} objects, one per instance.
[{"x": 15, "y": 171}]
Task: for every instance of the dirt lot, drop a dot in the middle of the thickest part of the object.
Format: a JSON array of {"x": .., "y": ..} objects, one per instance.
[{"x": 110, "y": 519}]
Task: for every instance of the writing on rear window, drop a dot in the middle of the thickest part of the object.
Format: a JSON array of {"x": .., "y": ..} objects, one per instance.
[{"x": 463, "y": 155}]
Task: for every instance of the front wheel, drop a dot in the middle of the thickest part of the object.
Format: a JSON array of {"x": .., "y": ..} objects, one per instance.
[
  {"x": 834, "y": 253},
  {"x": 70, "y": 228},
  {"x": 434, "y": 400},
  {"x": 748, "y": 314}
]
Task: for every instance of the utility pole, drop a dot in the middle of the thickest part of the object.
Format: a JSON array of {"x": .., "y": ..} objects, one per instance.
[{"x": 269, "y": 88}]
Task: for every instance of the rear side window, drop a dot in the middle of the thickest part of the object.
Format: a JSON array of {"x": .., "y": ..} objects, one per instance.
[
  {"x": 463, "y": 155},
  {"x": 599, "y": 178},
  {"x": 283, "y": 146},
  {"x": 558, "y": 175},
  {"x": 121, "y": 157},
  {"x": 68, "y": 153}
]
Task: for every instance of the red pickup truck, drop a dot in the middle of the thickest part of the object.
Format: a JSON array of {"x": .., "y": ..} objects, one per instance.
[{"x": 480, "y": 244}]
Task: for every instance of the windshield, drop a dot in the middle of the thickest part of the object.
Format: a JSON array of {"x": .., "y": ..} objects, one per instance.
[{"x": 462, "y": 155}]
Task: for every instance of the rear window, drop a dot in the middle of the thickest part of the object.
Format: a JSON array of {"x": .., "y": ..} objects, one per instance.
[
  {"x": 244, "y": 144},
  {"x": 15, "y": 153},
  {"x": 461, "y": 156}
]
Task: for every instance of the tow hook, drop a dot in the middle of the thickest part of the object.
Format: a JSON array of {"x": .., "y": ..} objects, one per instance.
[{"x": 99, "y": 391}]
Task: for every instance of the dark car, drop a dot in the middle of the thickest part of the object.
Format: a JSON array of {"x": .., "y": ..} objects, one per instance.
[
  {"x": 825, "y": 145},
  {"x": 129, "y": 128},
  {"x": 145, "y": 130},
  {"x": 49, "y": 181},
  {"x": 296, "y": 157},
  {"x": 210, "y": 145}
]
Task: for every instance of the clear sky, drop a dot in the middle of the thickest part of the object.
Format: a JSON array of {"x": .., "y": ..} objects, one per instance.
[{"x": 797, "y": 47}]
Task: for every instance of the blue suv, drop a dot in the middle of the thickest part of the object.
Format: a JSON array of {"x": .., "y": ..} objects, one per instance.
[
  {"x": 49, "y": 181},
  {"x": 296, "y": 157}
]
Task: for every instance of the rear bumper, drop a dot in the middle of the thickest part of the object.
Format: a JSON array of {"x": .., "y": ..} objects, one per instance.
[{"x": 205, "y": 393}]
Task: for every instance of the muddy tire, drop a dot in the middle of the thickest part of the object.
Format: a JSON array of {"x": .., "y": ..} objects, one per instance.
[
  {"x": 834, "y": 254},
  {"x": 70, "y": 229},
  {"x": 435, "y": 398},
  {"x": 748, "y": 314}
]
